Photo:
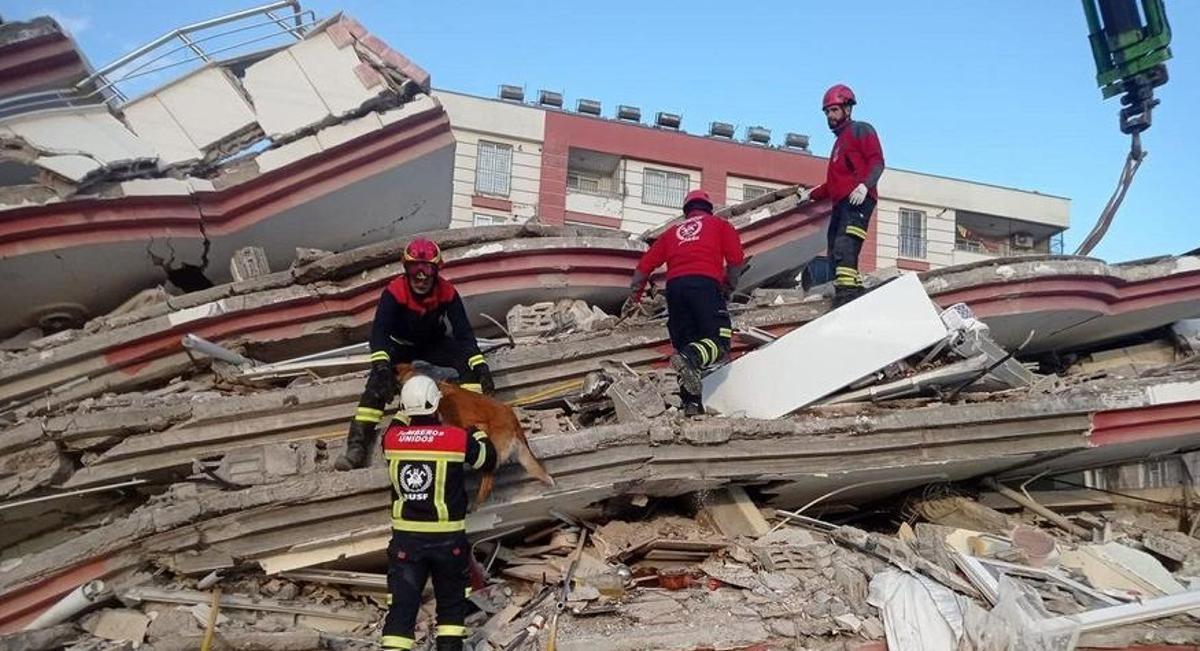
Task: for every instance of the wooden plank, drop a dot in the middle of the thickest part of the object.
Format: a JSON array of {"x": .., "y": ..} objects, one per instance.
[
  {"x": 190, "y": 597},
  {"x": 735, "y": 514}
]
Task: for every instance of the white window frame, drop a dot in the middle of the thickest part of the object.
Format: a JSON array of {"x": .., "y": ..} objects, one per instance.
[
  {"x": 659, "y": 192},
  {"x": 484, "y": 219},
  {"x": 910, "y": 245},
  {"x": 493, "y": 168},
  {"x": 756, "y": 190}
]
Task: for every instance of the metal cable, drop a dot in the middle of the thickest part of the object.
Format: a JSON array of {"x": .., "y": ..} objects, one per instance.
[{"x": 1132, "y": 162}]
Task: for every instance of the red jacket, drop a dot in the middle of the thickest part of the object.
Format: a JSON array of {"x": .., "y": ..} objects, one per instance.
[
  {"x": 857, "y": 158},
  {"x": 700, "y": 245},
  {"x": 402, "y": 316}
]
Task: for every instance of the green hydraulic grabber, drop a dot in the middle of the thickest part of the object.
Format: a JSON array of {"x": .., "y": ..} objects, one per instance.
[{"x": 1130, "y": 42}]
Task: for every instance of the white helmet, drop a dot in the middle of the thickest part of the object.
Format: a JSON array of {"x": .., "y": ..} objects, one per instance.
[{"x": 420, "y": 396}]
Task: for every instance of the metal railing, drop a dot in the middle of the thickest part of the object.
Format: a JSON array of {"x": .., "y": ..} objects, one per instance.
[
  {"x": 197, "y": 42},
  {"x": 1002, "y": 249},
  {"x": 604, "y": 186},
  {"x": 912, "y": 246}
]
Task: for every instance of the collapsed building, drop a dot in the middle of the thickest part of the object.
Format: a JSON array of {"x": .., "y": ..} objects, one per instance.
[{"x": 166, "y": 469}]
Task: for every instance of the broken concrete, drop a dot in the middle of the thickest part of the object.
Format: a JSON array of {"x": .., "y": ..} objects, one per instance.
[{"x": 201, "y": 167}]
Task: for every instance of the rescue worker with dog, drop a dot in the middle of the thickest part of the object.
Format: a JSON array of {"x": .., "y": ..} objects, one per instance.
[
  {"x": 850, "y": 184},
  {"x": 410, "y": 323},
  {"x": 704, "y": 259},
  {"x": 427, "y": 464}
]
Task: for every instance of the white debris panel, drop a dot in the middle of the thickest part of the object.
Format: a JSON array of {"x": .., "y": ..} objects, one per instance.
[{"x": 811, "y": 362}]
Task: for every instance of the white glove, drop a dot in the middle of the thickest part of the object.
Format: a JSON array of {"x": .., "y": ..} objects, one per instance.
[
  {"x": 858, "y": 195},
  {"x": 802, "y": 193}
]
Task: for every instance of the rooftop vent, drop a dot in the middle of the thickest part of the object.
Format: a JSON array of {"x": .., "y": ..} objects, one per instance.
[
  {"x": 550, "y": 98},
  {"x": 588, "y": 106}
]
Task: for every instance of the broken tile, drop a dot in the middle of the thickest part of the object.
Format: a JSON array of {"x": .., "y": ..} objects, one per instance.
[{"x": 122, "y": 625}]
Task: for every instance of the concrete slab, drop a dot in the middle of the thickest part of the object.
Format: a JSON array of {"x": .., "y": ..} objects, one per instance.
[
  {"x": 337, "y": 134},
  {"x": 208, "y": 106},
  {"x": 288, "y": 154},
  {"x": 153, "y": 122},
  {"x": 71, "y": 167},
  {"x": 284, "y": 100},
  {"x": 155, "y": 188},
  {"x": 89, "y": 130},
  {"x": 888, "y": 324},
  {"x": 330, "y": 70}
]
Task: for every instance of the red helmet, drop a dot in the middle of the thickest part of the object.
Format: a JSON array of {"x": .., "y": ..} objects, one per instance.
[
  {"x": 697, "y": 196},
  {"x": 837, "y": 95},
  {"x": 424, "y": 253}
]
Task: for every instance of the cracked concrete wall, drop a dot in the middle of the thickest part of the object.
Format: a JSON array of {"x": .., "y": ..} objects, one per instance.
[
  {"x": 1070, "y": 302},
  {"x": 380, "y": 152},
  {"x": 98, "y": 353}
]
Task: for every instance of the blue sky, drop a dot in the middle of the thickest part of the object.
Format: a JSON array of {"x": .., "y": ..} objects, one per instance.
[{"x": 1000, "y": 92}]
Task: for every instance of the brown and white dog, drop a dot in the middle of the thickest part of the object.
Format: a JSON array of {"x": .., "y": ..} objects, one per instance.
[{"x": 467, "y": 409}]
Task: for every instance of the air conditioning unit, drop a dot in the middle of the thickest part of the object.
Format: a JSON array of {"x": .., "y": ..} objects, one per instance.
[{"x": 1022, "y": 240}]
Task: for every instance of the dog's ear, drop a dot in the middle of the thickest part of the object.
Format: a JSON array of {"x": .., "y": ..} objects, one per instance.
[{"x": 404, "y": 372}]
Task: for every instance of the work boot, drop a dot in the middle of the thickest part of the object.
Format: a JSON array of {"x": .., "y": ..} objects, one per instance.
[
  {"x": 449, "y": 644},
  {"x": 843, "y": 295},
  {"x": 693, "y": 409},
  {"x": 358, "y": 442},
  {"x": 689, "y": 375}
]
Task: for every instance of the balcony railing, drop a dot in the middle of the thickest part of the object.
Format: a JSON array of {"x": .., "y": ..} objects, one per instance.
[
  {"x": 602, "y": 186},
  {"x": 262, "y": 27},
  {"x": 998, "y": 249}
]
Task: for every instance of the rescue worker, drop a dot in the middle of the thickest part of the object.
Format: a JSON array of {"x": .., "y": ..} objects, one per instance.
[
  {"x": 704, "y": 259},
  {"x": 427, "y": 464},
  {"x": 410, "y": 323},
  {"x": 850, "y": 184}
]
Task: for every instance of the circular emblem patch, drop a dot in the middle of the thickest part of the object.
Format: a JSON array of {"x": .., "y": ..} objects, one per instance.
[
  {"x": 689, "y": 230},
  {"x": 416, "y": 477}
]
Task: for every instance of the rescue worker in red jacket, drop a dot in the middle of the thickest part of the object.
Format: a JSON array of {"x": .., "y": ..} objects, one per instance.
[
  {"x": 850, "y": 184},
  {"x": 427, "y": 463},
  {"x": 410, "y": 323},
  {"x": 704, "y": 259}
]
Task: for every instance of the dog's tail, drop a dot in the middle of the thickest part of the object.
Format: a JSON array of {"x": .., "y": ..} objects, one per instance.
[
  {"x": 525, "y": 457},
  {"x": 486, "y": 481},
  {"x": 532, "y": 464}
]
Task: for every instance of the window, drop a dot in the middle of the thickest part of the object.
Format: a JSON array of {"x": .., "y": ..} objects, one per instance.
[
  {"x": 480, "y": 219},
  {"x": 582, "y": 182},
  {"x": 493, "y": 168},
  {"x": 593, "y": 183},
  {"x": 753, "y": 191},
  {"x": 1156, "y": 475},
  {"x": 912, "y": 233},
  {"x": 662, "y": 188}
]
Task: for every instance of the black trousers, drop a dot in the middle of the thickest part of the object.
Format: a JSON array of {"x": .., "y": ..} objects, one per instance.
[
  {"x": 439, "y": 352},
  {"x": 847, "y": 231},
  {"x": 414, "y": 558},
  {"x": 698, "y": 322}
]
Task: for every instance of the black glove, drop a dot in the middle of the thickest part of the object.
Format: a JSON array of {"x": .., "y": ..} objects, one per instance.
[
  {"x": 635, "y": 286},
  {"x": 381, "y": 383},
  {"x": 486, "y": 382}
]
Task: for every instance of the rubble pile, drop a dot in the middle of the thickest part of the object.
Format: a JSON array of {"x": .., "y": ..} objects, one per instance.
[
  {"x": 998, "y": 455},
  {"x": 209, "y": 481},
  {"x": 719, "y": 572}
]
